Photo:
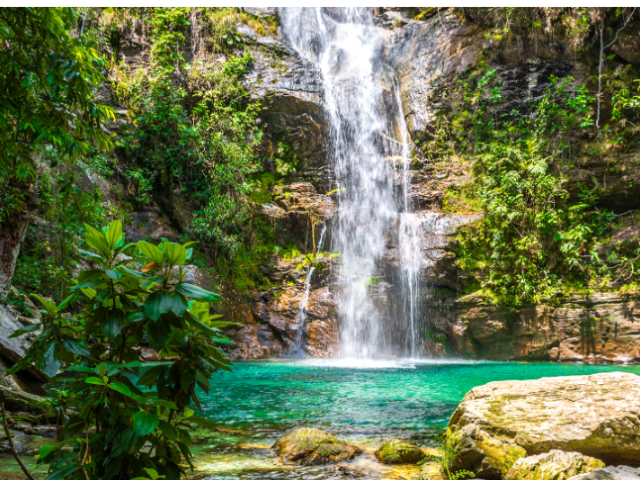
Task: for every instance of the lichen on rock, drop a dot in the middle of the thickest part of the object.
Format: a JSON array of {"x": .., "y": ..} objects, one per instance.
[
  {"x": 554, "y": 465},
  {"x": 399, "y": 451}
]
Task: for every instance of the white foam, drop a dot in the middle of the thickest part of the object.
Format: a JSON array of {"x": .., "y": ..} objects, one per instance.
[{"x": 371, "y": 363}]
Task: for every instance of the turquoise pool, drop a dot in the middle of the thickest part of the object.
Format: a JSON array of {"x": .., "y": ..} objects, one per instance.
[{"x": 362, "y": 401}]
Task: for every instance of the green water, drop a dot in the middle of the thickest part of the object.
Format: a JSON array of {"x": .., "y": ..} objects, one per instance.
[{"x": 362, "y": 402}]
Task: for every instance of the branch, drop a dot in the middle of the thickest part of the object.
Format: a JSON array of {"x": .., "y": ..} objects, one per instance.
[
  {"x": 602, "y": 48},
  {"x": 5, "y": 423}
]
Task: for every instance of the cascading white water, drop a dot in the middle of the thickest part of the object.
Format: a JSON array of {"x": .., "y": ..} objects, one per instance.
[{"x": 366, "y": 139}]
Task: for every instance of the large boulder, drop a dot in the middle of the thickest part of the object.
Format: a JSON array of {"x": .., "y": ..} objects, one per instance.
[
  {"x": 13, "y": 349},
  {"x": 399, "y": 451},
  {"x": 611, "y": 473},
  {"x": 596, "y": 415},
  {"x": 554, "y": 465},
  {"x": 311, "y": 446}
]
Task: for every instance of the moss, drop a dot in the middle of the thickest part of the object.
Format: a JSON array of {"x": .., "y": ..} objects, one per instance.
[
  {"x": 501, "y": 456},
  {"x": 312, "y": 446},
  {"x": 398, "y": 451}
]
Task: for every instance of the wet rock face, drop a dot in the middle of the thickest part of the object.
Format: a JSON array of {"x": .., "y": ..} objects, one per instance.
[
  {"x": 600, "y": 328},
  {"x": 289, "y": 88},
  {"x": 424, "y": 54},
  {"x": 552, "y": 466},
  {"x": 272, "y": 323},
  {"x": 595, "y": 415},
  {"x": 310, "y": 446}
]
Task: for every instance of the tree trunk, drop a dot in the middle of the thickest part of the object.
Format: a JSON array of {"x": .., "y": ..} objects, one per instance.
[{"x": 12, "y": 233}]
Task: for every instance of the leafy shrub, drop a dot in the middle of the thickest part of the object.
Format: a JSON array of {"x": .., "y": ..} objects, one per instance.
[{"x": 110, "y": 405}]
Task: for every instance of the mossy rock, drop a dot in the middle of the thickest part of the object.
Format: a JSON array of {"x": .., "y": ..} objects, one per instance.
[
  {"x": 554, "y": 465},
  {"x": 311, "y": 446},
  {"x": 400, "y": 452}
]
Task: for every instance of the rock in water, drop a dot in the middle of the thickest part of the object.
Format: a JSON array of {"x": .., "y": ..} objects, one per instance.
[
  {"x": 311, "y": 446},
  {"x": 398, "y": 451},
  {"x": 554, "y": 465},
  {"x": 596, "y": 415},
  {"x": 611, "y": 473}
]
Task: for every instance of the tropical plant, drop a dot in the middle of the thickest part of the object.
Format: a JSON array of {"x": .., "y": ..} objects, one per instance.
[
  {"x": 448, "y": 454},
  {"x": 119, "y": 417}
]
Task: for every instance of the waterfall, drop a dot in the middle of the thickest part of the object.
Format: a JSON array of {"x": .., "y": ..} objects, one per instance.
[{"x": 369, "y": 148}]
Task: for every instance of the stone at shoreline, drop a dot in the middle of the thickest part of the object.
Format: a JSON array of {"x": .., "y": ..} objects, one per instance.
[
  {"x": 311, "y": 446},
  {"x": 398, "y": 451},
  {"x": 611, "y": 473},
  {"x": 596, "y": 415},
  {"x": 554, "y": 465}
]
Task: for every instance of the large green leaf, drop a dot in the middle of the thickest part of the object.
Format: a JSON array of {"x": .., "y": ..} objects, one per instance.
[
  {"x": 95, "y": 381},
  {"x": 97, "y": 240},
  {"x": 49, "y": 305},
  {"x": 160, "y": 332},
  {"x": 120, "y": 387},
  {"x": 175, "y": 253},
  {"x": 145, "y": 423},
  {"x": 27, "y": 329},
  {"x": 113, "y": 323},
  {"x": 95, "y": 256},
  {"x": 159, "y": 303},
  {"x": 114, "y": 233},
  {"x": 73, "y": 346},
  {"x": 194, "y": 291},
  {"x": 150, "y": 251},
  {"x": 132, "y": 273},
  {"x": 51, "y": 364}
]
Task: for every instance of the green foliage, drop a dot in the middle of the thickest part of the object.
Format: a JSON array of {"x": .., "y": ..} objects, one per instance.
[
  {"x": 449, "y": 448},
  {"x": 48, "y": 257},
  {"x": 118, "y": 417},
  {"x": 50, "y": 77},
  {"x": 48, "y": 110},
  {"x": 537, "y": 237},
  {"x": 199, "y": 139},
  {"x": 194, "y": 135}
]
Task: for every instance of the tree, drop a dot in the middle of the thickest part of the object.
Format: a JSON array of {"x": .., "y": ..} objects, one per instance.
[
  {"x": 119, "y": 418},
  {"x": 48, "y": 111}
]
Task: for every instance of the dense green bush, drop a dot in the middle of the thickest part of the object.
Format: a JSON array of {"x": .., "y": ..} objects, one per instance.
[
  {"x": 537, "y": 238},
  {"x": 109, "y": 406}
]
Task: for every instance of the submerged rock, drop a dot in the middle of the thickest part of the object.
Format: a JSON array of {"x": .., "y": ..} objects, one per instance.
[
  {"x": 398, "y": 451},
  {"x": 554, "y": 465},
  {"x": 311, "y": 446},
  {"x": 596, "y": 415}
]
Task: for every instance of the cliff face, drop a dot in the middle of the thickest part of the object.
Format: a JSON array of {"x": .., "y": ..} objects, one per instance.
[{"x": 599, "y": 328}]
